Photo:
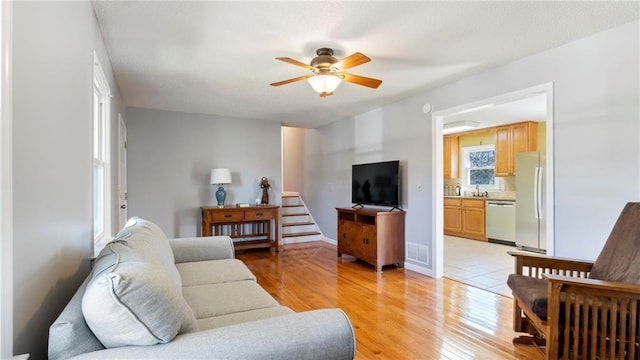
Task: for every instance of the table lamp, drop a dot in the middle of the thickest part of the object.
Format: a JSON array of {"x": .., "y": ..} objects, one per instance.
[{"x": 220, "y": 177}]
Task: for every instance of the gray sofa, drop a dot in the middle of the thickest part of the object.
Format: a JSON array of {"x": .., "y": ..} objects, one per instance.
[{"x": 151, "y": 297}]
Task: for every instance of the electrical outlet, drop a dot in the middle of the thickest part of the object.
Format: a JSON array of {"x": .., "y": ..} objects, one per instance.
[{"x": 419, "y": 187}]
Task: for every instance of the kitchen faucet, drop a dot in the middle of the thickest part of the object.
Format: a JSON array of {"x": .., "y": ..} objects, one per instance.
[{"x": 479, "y": 194}]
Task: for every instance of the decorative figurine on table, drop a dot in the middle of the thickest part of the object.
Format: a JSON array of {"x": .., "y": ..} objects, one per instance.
[{"x": 264, "y": 185}]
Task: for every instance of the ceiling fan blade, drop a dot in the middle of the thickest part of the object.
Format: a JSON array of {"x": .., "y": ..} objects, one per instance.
[
  {"x": 351, "y": 61},
  {"x": 284, "y": 82},
  {"x": 295, "y": 62},
  {"x": 361, "y": 80}
]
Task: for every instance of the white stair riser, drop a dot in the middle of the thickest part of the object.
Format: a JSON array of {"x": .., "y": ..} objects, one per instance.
[
  {"x": 301, "y": 239},
  {"x": 292, "y": 210},
  {"x": 290, "y": 201},
  {"x": 296, "y": 212},
  {"x": 298, "y": 229},
  {"x": 295, "y": 219}
]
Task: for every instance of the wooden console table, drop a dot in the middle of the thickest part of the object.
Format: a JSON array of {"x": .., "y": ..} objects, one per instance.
[{"x": 249, "y": 227}]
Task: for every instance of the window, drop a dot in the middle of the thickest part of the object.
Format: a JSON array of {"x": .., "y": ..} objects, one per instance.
[
  {"x": 479, "y": 167},
  {"x": 101, "y": 163}
]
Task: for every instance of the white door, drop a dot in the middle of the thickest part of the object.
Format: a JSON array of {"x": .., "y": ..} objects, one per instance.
[{"x": 122, "y": 171}]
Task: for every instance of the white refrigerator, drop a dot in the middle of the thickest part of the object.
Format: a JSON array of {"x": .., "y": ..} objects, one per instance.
[{"x": 530, "y": 197}]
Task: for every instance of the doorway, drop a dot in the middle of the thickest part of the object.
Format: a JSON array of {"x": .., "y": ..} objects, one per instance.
[
  {"x": 438, "y": 120},
  {"x": 122, "y": 172}
]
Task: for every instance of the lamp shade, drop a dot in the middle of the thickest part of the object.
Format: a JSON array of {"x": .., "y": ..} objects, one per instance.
[
  {"x": 221, "y": 176},
  {"x": 324, "y": 84}
]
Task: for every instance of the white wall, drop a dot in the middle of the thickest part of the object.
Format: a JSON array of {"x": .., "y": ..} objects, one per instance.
[
  {"x": 170, "y": 157},
  {"x": 52, "y": 63},
  {"x": 292, "y": 159},
  {"x": 395, "y": 132},
  {"x": 597, "y": 140}
]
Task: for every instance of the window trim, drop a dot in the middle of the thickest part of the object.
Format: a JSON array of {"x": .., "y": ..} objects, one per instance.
[
  {"x": 100, "y": 117},
  {"x": 6, "y": 181},
  {"x": 466, "y": 167}
]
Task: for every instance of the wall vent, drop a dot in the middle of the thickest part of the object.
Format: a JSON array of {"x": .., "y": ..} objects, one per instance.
[
  {"x": 418, "y": 253},
  {"x": 412, "y": 252},
  {"x": 423, "y": 254}
]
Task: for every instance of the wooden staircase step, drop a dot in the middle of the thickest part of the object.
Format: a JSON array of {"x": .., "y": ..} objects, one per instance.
[
  {"x": 299, "y": 223},
  {"x": 296, "y": 230},
  {"x": 301, "y": 234}
]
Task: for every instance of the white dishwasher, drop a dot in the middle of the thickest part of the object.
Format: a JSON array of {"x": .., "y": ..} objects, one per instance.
[{"x": 501, "y": 220}]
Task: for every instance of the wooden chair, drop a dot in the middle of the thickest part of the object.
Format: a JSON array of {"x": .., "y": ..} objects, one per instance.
[{"x": 574, "y": 309}]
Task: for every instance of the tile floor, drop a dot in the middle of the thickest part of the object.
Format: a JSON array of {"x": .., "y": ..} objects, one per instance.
[{"x": 478, "y": 263}]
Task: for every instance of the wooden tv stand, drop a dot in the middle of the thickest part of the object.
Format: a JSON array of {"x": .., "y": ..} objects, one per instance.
[{"x": 373, "y": 236}]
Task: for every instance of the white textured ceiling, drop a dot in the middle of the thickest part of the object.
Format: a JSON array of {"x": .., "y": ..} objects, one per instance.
[
  {"x": 532, "y": 108},
  {"x": 219, "y": 57}
]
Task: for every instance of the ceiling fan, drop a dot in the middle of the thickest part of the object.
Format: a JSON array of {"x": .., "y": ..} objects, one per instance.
[{"x": 327, "y": 71}]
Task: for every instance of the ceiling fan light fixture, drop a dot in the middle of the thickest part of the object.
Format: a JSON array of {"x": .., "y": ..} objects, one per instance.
[
  {"x": 327, "y": 72},
  {"x": 324, "y": 84}
]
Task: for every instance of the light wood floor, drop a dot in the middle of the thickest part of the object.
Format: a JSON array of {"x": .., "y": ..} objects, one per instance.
[{"x": 396, "y": 314}]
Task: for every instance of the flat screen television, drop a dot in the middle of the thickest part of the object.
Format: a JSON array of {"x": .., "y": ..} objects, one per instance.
[{"x": 376, "y": 183}]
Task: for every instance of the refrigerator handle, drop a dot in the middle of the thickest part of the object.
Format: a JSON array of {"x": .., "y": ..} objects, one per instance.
[
  {"x": 536, "y": 187},
  {"x": 539, "y": 191}
]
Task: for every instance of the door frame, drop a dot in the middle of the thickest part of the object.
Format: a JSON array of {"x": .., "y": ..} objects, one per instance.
[
  {"x": 122, "y": 167},
  {"x": 6, "y": 176},
  {"x": 437, "y": 193}
]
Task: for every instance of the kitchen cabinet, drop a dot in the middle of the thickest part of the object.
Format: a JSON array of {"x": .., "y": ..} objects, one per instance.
[
  {"x": 452, "y": 216},
  {"x": 465, "y": 218},
  {"x": 513, "y": 139},
  {"x": 451, "y": 152},
  {"x": 473, "y": 219}
]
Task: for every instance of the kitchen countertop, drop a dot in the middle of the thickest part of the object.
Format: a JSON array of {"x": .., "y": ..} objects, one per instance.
[{"x": 490, "y": 197}]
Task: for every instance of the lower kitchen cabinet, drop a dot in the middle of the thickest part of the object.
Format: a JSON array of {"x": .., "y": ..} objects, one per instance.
[
  {"x": 465, "y": 218},
  {"x": 452, "y": 216}
]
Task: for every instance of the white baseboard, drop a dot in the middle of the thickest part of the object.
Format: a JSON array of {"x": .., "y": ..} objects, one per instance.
[
  {"x": 419, "y": 269},
  {"x": 330, "y": 241}
]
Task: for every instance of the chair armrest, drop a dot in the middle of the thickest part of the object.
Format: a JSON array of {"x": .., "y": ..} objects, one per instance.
[
  {"x": 593, "y": 284},
  {"x": 317, "y": 334},
  {"x": 539, "y": 264},
  {"x": 202, "y": 248},
  {"x": 592, "y": 316},
  {"x": 589, "y": 296}
]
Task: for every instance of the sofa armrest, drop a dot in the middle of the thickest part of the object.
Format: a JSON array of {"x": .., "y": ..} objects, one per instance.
[
  {"x": 318, "y": 334},
  {"x": 202, "y": 248}
]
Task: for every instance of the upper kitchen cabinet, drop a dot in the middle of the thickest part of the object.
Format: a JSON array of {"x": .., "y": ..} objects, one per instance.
[
  {"x": 513, "y": 139},
  {"x": 451, "y": 150}
]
